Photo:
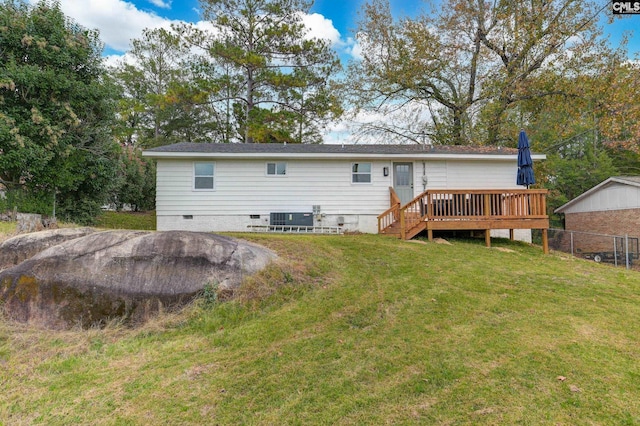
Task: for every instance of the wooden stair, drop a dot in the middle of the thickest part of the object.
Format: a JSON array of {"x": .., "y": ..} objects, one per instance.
[{"x": 395, "y": 229}]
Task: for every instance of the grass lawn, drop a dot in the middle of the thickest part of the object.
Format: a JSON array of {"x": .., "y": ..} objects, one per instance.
[
  {"x": 353, "y": 330},
  {"x": 145, "y": 221},
  {"x": 7, "y": 229}
]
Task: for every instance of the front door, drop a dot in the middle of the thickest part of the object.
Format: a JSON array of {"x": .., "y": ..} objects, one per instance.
[{"x": 403, "y": 181}]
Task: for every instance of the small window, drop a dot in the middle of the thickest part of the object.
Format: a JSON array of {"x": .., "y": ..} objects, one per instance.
[
  {"x": 277, "y": 169},
  {"x": 203, "y": 176},
  {"x": 361, "y": 173}
]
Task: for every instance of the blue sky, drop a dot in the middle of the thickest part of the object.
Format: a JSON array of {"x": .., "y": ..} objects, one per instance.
[
  {"x": 121, "y": 20},
  {"x": 343, "y": 13}
]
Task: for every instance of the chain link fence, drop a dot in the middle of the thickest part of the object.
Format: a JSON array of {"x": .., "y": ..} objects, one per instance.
[{"x": 614, "y": 249}]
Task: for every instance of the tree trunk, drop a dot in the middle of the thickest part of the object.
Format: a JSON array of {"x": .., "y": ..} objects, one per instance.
[
  {"x": 247, "y": 137},
  {"x": 456, "y": 131}
]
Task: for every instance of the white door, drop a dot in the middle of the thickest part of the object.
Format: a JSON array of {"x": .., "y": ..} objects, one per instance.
[{"x": 403, "y": 181}]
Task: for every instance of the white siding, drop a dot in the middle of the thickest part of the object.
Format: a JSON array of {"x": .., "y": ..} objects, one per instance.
[
  {"x": 615, "y": 196},
  {"x": 436, "y": 172},
  {"x": 465, "y": 175},
  {"x": 481, "y": 175},
  {"x": 243, "y": 188}
]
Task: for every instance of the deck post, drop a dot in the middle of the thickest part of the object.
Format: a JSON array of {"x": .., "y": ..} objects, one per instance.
[
  {"x": 430, "y": 234},
  {"x": 403, "y": 230},
  {"x": 545, "y": 241},
  {"x": 511, "y": 235},
  {"x": 487, "y": 237},
  {"x": 487, "y": 205}
]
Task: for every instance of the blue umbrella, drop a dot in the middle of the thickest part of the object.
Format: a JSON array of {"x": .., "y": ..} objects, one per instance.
[{"x": 525, "y": 163}]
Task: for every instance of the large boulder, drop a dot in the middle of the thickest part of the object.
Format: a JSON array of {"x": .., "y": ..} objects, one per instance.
[
  {"x": 123, "y": 274},
  {"x": 21, "y": 247}
]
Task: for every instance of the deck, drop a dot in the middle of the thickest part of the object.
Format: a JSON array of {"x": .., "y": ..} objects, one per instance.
[{"x": 467, "y": 209}]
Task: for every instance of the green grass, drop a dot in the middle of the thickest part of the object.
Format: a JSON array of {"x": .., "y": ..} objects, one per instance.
[
  {"x": 145, "y": 221},
  {"x": 353, "y": 330},
  {"x": 7, "y": 228}
]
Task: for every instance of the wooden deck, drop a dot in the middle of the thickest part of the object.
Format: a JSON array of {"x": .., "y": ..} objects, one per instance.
[{"x": 467, "y": 209}]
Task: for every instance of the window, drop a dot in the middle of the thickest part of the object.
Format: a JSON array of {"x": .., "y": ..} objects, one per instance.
[
  {"x": 277, "y": 169},
  {"x": 203, "y": 176},
  {"x": 361, "y": 173}
]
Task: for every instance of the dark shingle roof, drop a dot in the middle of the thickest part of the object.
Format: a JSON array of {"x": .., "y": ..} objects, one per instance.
[{"x": 276, "y": 148}]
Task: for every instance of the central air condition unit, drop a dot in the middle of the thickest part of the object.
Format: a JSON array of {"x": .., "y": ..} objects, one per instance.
[{"x": 291, "y": 219}]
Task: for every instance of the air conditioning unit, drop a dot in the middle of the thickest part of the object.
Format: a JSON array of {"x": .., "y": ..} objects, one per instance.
[{"x": 291, "y": 219}]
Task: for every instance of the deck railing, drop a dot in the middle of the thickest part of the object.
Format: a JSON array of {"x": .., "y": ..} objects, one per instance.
[
  {"x": 392, "y": 214},
  {"x": 483, "y": 204},
  {"x": 466, "y": 204}
]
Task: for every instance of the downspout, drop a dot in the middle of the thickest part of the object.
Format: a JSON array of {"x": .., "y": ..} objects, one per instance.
[{"x": 424, "y": 177}]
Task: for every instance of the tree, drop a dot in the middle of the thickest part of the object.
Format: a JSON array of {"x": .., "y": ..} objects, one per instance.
[
  {"x": 56, "y": 111},
  {"x": 469, "y": 64},
  {"x": 587, "y": 133},
  {"x": 574, "y": 168},
  {"x": 620, "y": 109},
  {"x": 136, "y": 183},
  {"x": 164, "y": 93},
  {"x": 270, "y": 69},
  {"x": 416, "y": 64}
]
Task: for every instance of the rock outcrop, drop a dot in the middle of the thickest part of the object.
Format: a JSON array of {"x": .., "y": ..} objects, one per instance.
[
  {"x": 20, "y": 248},
  {"x": 122, "y": 274}
]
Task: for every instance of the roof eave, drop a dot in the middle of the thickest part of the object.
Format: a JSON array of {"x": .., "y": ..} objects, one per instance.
[
  {"x": 334, "y": 156},
  {"x": 596, "y": 188}
]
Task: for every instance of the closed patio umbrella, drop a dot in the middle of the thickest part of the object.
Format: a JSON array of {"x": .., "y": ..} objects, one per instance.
[{"x": 525, "y": 163}]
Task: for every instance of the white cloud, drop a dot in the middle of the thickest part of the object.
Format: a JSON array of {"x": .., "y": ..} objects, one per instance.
[
  {"x": 112, "y": 60},
  {"x": 345, "y": 130},
  {"x": 161, "y": 3},
  {"x": 354, "y": 48},
  {"x": 321, "y": 27},
  {"x": 205, "y": 26},
  {"x": 390, "y": 124},
  {"x": 118, "y": 21},
  {"x": 116, "y": 60}
]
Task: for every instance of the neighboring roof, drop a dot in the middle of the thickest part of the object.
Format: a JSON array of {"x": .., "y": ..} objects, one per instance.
[
  {"x": 625, "y": 180},
  {"x": 257, "y": 150}
]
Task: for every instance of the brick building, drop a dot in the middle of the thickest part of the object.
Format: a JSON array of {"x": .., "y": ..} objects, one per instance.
[{"x": 611, "y": 207}]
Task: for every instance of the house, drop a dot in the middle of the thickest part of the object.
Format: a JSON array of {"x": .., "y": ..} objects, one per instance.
[
  {"x": 236, "y": 187},
  {"x": 611, "y": 207}
]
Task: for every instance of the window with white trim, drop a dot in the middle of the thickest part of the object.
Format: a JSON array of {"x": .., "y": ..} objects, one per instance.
[
  {"x": 203, "y": 176},
  {"x": 361, "y": 173},
  {"x": 277, "y": 169}
]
